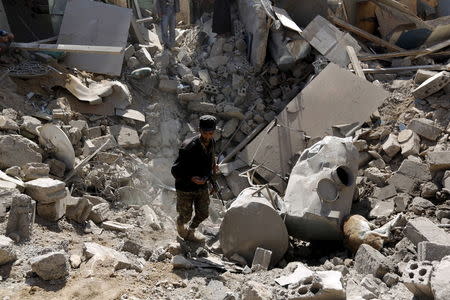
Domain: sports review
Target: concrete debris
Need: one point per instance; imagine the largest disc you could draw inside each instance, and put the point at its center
(415, 170)
(409, 142)
(8, 124)
(335, 184)
(253, 290)
(432, 85)
(417, 277)
(99, 212)
(369, 261)
(7, 252)
(430, 251)
(241, 229)
(52, 211)
(116, 226)
(438, 160)
(383, 209)
(33, 171)
(75, 261)
(425, 128)
(423, 230)
(439, 280)
(21, 218)
(126, 136)
(391, 146)
(10, 145)
(78, 208)
(180, 262)
(96, 253)
(45, 190)
(261, 260)
(51, 266)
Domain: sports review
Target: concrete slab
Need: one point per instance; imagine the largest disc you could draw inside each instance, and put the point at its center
(439, 160)
(369, 261)
(425, 128)
(423, 230)
(430, 251)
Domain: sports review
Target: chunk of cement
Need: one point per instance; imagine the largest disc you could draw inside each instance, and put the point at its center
(423, 230)
(425, 128)
(126, 136)
(245, 227)
(78, 208)
(432, 85)
(300, 273)
(416, 170)
(45, 190)
(12, 145)
(116, 226)
(261, 260)
(95, 252)
(320, 189)
(21, 218)
(52, 211)
(33, 171)
(391, 146)
(409, 142)
(51, 266)
(440, 279)
(180, 262)
(438, 160)
(7, 253)
(430, 251)
(370, 261)
(416, 278)
(99, 212)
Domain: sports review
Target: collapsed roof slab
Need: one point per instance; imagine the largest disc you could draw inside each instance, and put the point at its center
(335, 96)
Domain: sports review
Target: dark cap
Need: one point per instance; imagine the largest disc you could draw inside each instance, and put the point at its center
(207, 123)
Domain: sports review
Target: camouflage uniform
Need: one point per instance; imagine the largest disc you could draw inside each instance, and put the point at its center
(200, 200)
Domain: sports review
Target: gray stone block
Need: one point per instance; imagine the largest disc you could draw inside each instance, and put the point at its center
(416, 170)
(50, 266)
(370, 261)
(440, 286)
(423, 230)
(261, 260)
(404, 184)
(439, 160)
(425, 128)
(432, 85)
(432, 251)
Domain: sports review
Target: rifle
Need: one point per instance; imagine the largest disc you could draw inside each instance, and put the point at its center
(216, 188)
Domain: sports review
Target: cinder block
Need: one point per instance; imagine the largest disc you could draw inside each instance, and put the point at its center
(370, 261)
(423, 230)
(416, 278)
(432, 85)
(432, 251)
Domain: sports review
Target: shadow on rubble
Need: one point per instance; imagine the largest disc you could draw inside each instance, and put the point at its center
(314, 253)
(5, 270)
(49, 225)
(49, 286)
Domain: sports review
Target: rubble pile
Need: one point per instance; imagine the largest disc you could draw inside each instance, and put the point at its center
(335, 162)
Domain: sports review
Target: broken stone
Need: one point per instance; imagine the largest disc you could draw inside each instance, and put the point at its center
(216, 61)
(131, 246)
(187, 97)
(429, 251)
(45, 190)
(261, 260)
(415, 170)
(78, 208)
(423, 75)
(168, 86)
(409, 142)
(370, 261)
(99, 213)
(30, 125)
(391, 146)
(376, 176)
(229, 128)
(416, 278)
(425, 128)
(33, 171)
(391, 279)
(21, 218)
(91, 145)
(14, 171)
(95, 252)
(57, 167)
(401, 202)
(52, 211)
(151, 218)
(95, 199)
(8, 124)
(419, 205)
(257, 291)
(50, 266)
(180, 262)
(116, 226)
(438, 160)
(11, 145)
(129, 52)
(429, 190)
(202, 107)
(126, 136)
(385, 192)
(7, 253)
(144, 57)
(75, 261)
(423, 230)
(94, 132)
(432, 85)
(404, 183)
(439, 280)
(382, 209)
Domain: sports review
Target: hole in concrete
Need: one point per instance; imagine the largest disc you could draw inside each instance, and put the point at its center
(315, 288)
(414, 266)
(420, 279)
(302, 290)
(308, 280)
(411, 275)
(345, 175)
(422, 272)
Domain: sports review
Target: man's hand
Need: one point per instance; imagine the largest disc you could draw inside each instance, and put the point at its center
(198, 180)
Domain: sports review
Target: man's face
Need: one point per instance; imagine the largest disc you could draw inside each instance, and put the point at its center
(207, 135)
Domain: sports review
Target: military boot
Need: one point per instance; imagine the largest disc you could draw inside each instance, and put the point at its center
(182, 231)
(194, 236)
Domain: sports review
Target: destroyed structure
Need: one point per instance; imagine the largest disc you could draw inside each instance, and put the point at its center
(332, 142)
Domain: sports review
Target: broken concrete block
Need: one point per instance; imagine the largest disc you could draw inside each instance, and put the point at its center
(7, 253)
(383, 209)
(216, 61)
(423, 75)
(261, 260)
(126, 136)
(116, 226)
(150, 217)
(33, 171)
(376, 176)
(331, 166)
(30, 125)
(255, 290)
(404, 184)
(425, 128)
(240, 231)
(91, 145)
(419, 205)
(99, 212)
(439, 280)
(95, 253)
(52, 211)
(11, 145)
(423, 230)
(168, 86)
(8, 124)
(416, 278)
(391, 146)
(370, 261)
(180, 262)
(45, 190)
(409, 142)
(57, 167)
(144, 57)
(94, 199)
(415, 170)
(401, 202)
(428, 190)
(21, 218)
(432, 85)
(430, 251)
(385, 192)
(94, 132)
(438, 160)
(50, 266)
(202, 107)
(187, 97)
(78, 208)
(75, 261)
(446, 180)
(230, 127)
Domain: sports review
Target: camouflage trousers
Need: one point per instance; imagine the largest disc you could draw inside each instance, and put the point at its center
(185, 203)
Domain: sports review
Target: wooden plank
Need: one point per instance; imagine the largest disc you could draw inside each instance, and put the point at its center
(435, 48)
(364, 34)
(68, 48)
(355, 62)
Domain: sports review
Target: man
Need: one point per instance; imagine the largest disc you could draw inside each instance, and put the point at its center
(194, 165)
(166, 11)
(5, 40)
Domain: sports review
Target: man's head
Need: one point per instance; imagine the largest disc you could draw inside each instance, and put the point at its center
(207, 126)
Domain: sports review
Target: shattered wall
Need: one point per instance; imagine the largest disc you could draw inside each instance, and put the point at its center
(254, 18)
